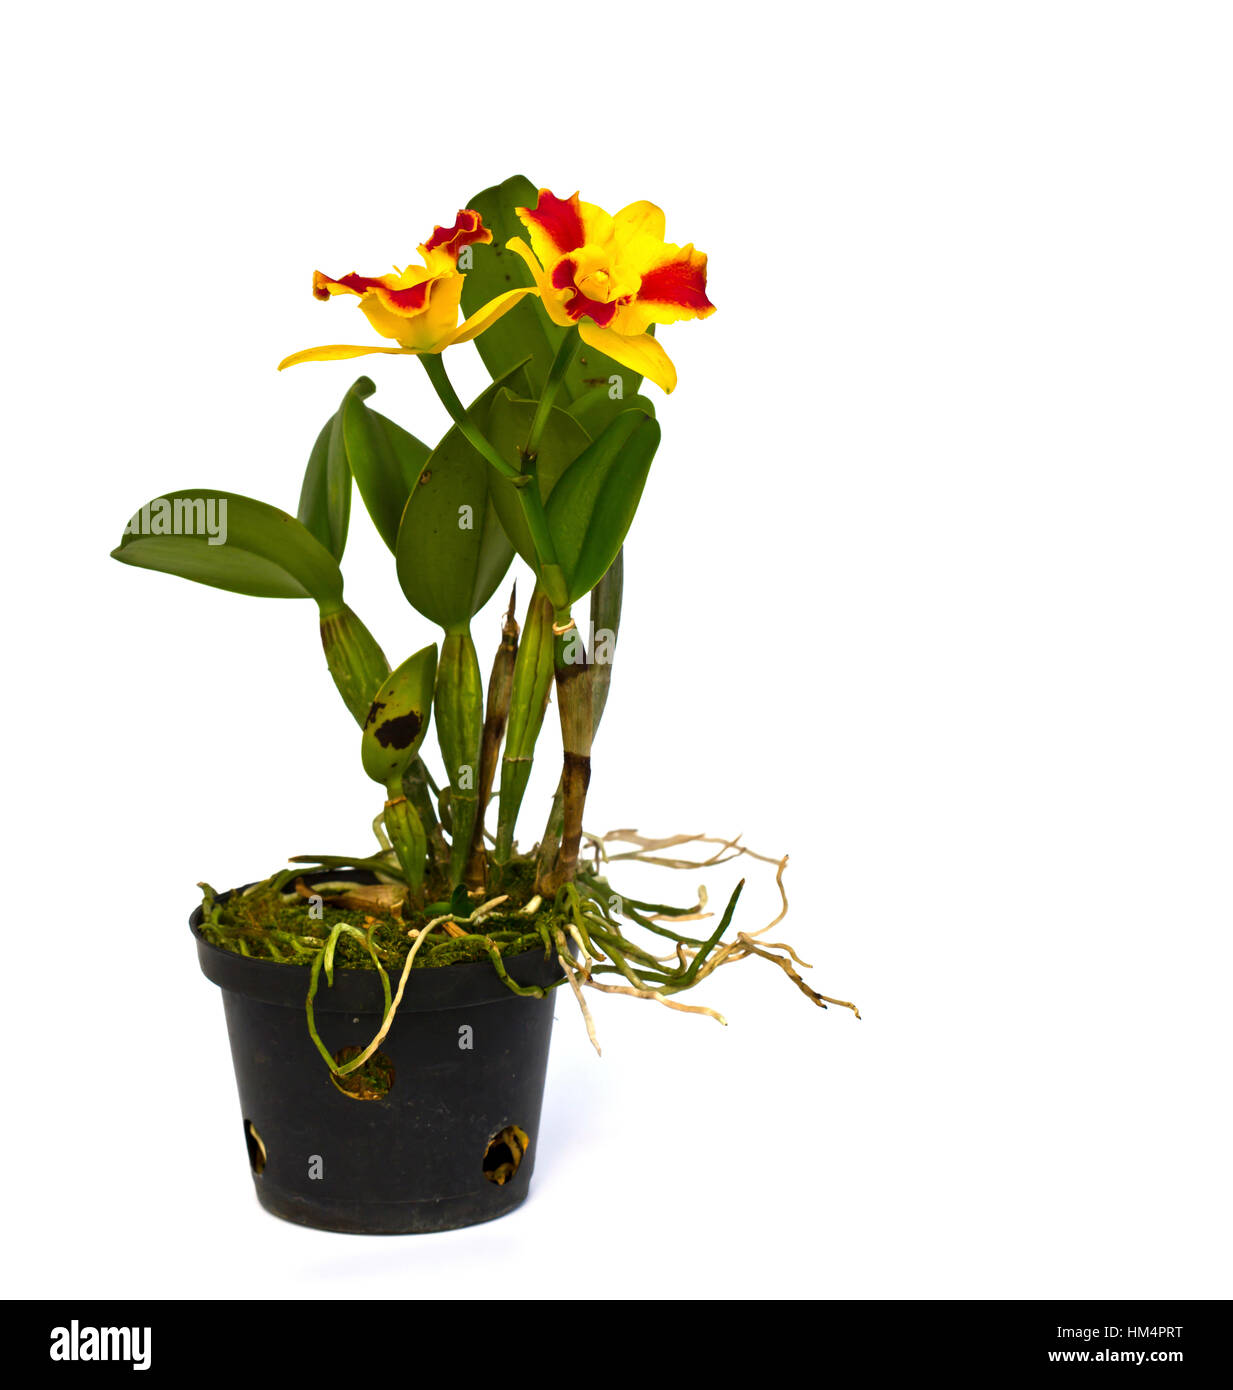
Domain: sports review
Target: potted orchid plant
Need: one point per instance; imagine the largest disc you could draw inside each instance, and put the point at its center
(390, 1012)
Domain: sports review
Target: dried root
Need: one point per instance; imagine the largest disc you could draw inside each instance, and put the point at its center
(600, 945)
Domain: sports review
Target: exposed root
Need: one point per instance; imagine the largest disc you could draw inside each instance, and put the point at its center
(841, 1004)
(651, 976)
(419, 937)
(563, 957)
(659, 999)
(582, 950)
(587, 926)
(784, 964)
(647, 849)
(780, 946)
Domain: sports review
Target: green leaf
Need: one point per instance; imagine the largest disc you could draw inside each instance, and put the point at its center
(254, 549)
(451, 549)
(592, 507)
(398, 718)
(385, 460)
(509, 424)
(525, 331)
(592, 371)
(596, 408)
(356, 662)
(325, 496)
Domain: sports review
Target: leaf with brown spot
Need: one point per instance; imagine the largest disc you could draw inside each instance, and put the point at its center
(398, 720)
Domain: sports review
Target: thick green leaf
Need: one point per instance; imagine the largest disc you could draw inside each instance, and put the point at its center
(451, 549)
(325, 496)
(254, 549)
(593, 505)
(385, 460)
(398, 719)
(592, 371)
(509, 424)
(597, 408)
(526, 330)
(356, 662)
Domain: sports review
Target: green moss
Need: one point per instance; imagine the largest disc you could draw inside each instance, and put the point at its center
(272, 922)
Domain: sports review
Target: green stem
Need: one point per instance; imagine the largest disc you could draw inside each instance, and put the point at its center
(550, 842)
(434, 365)
(525, 483)
(407, 834)
(415, 783)
(458, 709)
(496, 717)
(574, 704)
(556, 375)
(532, 681)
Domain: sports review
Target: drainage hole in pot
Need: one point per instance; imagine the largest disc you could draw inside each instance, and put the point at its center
(504, 1154)
(256, 1149)
(372, 1081)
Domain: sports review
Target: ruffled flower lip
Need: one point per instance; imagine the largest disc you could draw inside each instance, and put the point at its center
(468, 230)
(614, 277)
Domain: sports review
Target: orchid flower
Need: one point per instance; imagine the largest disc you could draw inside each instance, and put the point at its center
(613, 276)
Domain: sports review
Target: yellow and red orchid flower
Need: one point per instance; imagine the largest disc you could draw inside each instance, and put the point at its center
(614, 276)
(416, 307)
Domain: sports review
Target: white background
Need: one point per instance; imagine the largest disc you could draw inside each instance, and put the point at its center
(930, 587)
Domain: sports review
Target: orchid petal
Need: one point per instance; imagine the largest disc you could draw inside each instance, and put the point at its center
(336, 352)
(484, 318)
(641, 354)
(550, 296)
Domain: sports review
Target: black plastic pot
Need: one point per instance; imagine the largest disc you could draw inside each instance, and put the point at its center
(443, 1147)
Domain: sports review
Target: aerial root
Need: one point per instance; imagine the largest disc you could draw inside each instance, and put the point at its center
(589, 938)
(659, 999)
(647, 852)
(418, 936)
(563, 957)
(784, 964)
(841, 1004)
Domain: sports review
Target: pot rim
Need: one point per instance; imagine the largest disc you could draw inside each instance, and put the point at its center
(358, 992)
